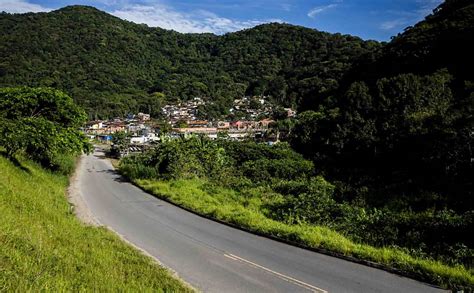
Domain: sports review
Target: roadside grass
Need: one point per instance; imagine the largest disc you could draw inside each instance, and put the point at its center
(248, 212)
(43, 247)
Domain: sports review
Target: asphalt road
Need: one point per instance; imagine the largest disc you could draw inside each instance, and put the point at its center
(216, 258)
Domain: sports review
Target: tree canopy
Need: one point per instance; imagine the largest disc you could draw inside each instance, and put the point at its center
(43, 123)
(401, 121)
(112, 67)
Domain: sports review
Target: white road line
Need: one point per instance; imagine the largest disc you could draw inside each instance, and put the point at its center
(281, 276)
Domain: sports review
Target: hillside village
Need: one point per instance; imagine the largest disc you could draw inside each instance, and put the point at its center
(249, 118)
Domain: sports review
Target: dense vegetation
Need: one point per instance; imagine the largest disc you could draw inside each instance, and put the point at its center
(398, 133)
(389, 126)
(43, 247)
(43, 124)
(274, 190)
(112, 67)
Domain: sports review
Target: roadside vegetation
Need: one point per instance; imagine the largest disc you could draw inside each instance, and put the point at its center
(379, 161)
(43, 246)
(42, 123)
(275, 191)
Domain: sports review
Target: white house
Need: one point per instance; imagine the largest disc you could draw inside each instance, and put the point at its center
(150, 137)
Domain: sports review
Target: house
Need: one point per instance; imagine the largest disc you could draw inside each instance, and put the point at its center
(243, 125)
(290, 112)
(146, 138)
(264, 123)
(240, 125)
(196, 130)
(223, 125)
(134, 128)
(95, 125)
(115, 127)
(143, 117)
(210, 132)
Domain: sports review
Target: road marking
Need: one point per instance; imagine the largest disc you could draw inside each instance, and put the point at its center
(280, 275)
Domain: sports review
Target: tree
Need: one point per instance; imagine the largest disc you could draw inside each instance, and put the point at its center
(112, 71)
(312, 134)
(42, 122)
(277, 89)
(120, 142)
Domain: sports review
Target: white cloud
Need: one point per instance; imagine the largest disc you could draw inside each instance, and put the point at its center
(427, 6)
(391, 24)
(405, 18)
(199, 21)
(318, 9)
(155, 15)
(20, 6)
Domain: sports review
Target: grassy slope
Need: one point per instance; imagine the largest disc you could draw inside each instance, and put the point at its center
(44, 247)
(227, 205)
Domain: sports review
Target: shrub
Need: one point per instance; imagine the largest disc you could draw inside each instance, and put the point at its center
(43, 123)
(306, 201)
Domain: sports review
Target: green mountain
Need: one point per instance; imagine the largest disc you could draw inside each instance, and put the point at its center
(111, 66)
(443, 40)
(399, 115)
(399, 129)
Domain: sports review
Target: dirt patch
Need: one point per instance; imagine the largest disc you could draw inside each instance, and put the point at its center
(74, 196)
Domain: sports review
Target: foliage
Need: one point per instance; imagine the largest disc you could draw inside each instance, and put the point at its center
(44, 247)
(223, 161)
(397, 133)
(389, 126)
(112, 67)
(305, 202)
(41, 122)
(120, 143)
(291, 193)
(248, 212)
(185, 158)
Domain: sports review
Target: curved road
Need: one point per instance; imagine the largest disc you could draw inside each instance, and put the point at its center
(216, 258)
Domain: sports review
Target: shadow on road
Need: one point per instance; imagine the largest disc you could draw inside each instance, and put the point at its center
(101, 156)
(115, 175)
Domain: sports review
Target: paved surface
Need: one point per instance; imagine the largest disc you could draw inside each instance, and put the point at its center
(216, 258)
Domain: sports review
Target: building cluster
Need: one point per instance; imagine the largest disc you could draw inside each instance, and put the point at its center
(240, 129)
(186, 111)
(246, 108)
(182, 120)
(251, 107)
(138, 127)
(245, 121)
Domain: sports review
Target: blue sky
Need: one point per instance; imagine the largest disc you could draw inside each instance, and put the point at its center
(368, 19)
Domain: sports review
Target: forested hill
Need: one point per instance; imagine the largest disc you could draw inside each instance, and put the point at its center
(445, 39)
(112, 66)
(400, 125)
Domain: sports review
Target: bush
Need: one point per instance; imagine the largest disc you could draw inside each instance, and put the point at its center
(266, 170)
(305, 202)
(185, 158)
(283, 183)
(43, 123)
(198, 157)
(64, 164)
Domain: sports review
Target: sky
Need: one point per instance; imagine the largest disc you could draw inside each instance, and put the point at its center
(368, 19)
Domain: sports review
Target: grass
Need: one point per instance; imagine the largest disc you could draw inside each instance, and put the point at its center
(43, 247)
(248, 212)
